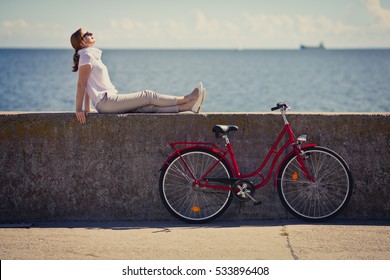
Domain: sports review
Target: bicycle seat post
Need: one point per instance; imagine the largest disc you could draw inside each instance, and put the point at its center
(227, 141)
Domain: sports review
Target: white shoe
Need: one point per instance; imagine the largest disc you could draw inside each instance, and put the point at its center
(199, 102)
(203, 99)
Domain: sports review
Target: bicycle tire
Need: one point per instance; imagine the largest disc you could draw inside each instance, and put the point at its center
(190, 203)
(319, 201)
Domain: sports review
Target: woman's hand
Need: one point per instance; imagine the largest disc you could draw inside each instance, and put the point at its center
(81, 117)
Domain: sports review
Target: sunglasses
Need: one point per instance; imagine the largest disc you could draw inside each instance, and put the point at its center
(87, 34)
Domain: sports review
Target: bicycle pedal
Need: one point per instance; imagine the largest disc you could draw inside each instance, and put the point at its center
(256, 203)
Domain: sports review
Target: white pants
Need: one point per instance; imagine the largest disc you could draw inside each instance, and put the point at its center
(145, 101)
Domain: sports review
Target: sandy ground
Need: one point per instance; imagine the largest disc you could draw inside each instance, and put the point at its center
(221, 240)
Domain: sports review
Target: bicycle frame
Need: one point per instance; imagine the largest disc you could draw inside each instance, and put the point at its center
(274, 154)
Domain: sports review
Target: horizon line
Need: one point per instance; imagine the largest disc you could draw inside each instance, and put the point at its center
(196, 49)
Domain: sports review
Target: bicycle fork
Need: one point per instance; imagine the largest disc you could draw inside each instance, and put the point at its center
(301, 157)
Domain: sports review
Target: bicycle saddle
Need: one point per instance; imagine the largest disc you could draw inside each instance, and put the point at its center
(219, 130)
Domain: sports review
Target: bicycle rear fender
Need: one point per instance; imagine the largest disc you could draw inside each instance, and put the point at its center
(182, 150)
(287, 157)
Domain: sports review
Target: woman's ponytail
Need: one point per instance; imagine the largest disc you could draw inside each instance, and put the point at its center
(76, 58)
(76, 41)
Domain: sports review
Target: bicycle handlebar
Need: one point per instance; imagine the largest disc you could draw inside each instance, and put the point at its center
(281, 106)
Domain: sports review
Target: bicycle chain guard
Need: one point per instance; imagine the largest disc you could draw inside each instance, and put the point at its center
(243, 190)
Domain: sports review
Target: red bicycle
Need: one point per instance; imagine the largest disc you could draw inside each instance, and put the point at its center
(199, 180)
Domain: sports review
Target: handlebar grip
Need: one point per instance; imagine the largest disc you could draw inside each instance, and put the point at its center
(275, 108)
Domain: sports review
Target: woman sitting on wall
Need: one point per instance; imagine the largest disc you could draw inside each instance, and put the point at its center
(94, 85)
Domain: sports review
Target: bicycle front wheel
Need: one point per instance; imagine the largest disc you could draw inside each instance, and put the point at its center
(194, 204)
(326, 196)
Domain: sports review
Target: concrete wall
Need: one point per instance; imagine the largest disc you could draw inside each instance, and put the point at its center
(55, 169)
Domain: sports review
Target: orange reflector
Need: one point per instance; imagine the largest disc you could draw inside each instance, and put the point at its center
(195, 209)
(295, 176)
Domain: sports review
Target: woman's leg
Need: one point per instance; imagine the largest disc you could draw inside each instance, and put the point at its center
(146, 101)
(157, 109)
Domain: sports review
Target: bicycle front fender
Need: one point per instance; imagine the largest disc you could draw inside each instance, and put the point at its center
(286, 158)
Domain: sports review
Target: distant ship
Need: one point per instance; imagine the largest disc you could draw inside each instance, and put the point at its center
(319, 47)
(239, 48)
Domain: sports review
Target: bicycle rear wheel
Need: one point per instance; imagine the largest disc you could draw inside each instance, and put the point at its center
(324, 198)
(194, 204)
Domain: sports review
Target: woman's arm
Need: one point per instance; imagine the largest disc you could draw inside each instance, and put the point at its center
(87, 103)
(84, 72)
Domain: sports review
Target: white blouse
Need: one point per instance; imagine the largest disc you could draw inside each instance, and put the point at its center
(98, 83)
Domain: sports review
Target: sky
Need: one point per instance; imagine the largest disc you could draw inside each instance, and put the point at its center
(197, 24)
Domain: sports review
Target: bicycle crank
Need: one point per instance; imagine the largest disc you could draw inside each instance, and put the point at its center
(243, 190)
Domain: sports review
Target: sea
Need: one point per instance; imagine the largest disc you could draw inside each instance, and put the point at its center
(313, 80)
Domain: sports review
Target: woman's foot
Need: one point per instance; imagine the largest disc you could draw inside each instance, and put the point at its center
(191, 97)
(188, 106)
(193, 101)
(188, 98)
